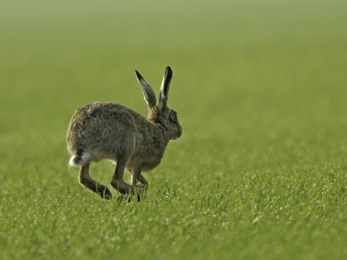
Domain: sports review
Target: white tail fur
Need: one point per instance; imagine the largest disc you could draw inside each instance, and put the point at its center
(77, 160)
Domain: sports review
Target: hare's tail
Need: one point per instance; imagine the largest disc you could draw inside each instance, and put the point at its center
(80, 159)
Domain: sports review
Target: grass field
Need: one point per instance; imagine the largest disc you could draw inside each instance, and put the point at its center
(260, 87)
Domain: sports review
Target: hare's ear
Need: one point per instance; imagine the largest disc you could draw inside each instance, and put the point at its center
(148, 92)
(164, 89)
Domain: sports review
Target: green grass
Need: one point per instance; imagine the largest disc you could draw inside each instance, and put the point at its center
(260, 171)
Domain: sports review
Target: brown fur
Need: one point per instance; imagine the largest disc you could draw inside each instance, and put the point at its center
(112, 131)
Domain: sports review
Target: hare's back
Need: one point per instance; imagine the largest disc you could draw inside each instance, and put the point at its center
(97, 113)
(100, 123)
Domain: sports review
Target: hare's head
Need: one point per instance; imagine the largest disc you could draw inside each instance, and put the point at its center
(161, 114)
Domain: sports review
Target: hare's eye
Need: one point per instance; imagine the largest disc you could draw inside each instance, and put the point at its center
(174, 117)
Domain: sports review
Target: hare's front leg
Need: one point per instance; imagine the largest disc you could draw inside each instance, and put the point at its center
(87, 181)
(137, 179)
(139, 182)
(117, 179)
(143, 182)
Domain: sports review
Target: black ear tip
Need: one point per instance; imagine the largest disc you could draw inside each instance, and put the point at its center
(168, 71)
(138, 74)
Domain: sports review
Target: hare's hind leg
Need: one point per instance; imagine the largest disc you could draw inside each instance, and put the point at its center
(87, 181)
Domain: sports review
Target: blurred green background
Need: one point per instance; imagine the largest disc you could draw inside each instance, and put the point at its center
(259, 86)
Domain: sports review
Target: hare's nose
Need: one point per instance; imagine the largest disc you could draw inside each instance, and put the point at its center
(180, 132)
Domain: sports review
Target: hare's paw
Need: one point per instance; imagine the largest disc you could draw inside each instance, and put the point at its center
(142, 183)
(123, 187)
(103, 192)
(137, 193)
(142, 187)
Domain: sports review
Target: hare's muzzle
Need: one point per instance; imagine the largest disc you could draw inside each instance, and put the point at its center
(179, 132)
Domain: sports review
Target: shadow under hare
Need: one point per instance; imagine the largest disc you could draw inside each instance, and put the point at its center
(103, 130)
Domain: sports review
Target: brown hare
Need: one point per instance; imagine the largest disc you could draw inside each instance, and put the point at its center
(112, 131)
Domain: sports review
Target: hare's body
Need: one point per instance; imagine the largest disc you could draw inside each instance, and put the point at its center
(121, 127)
(112, 131)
